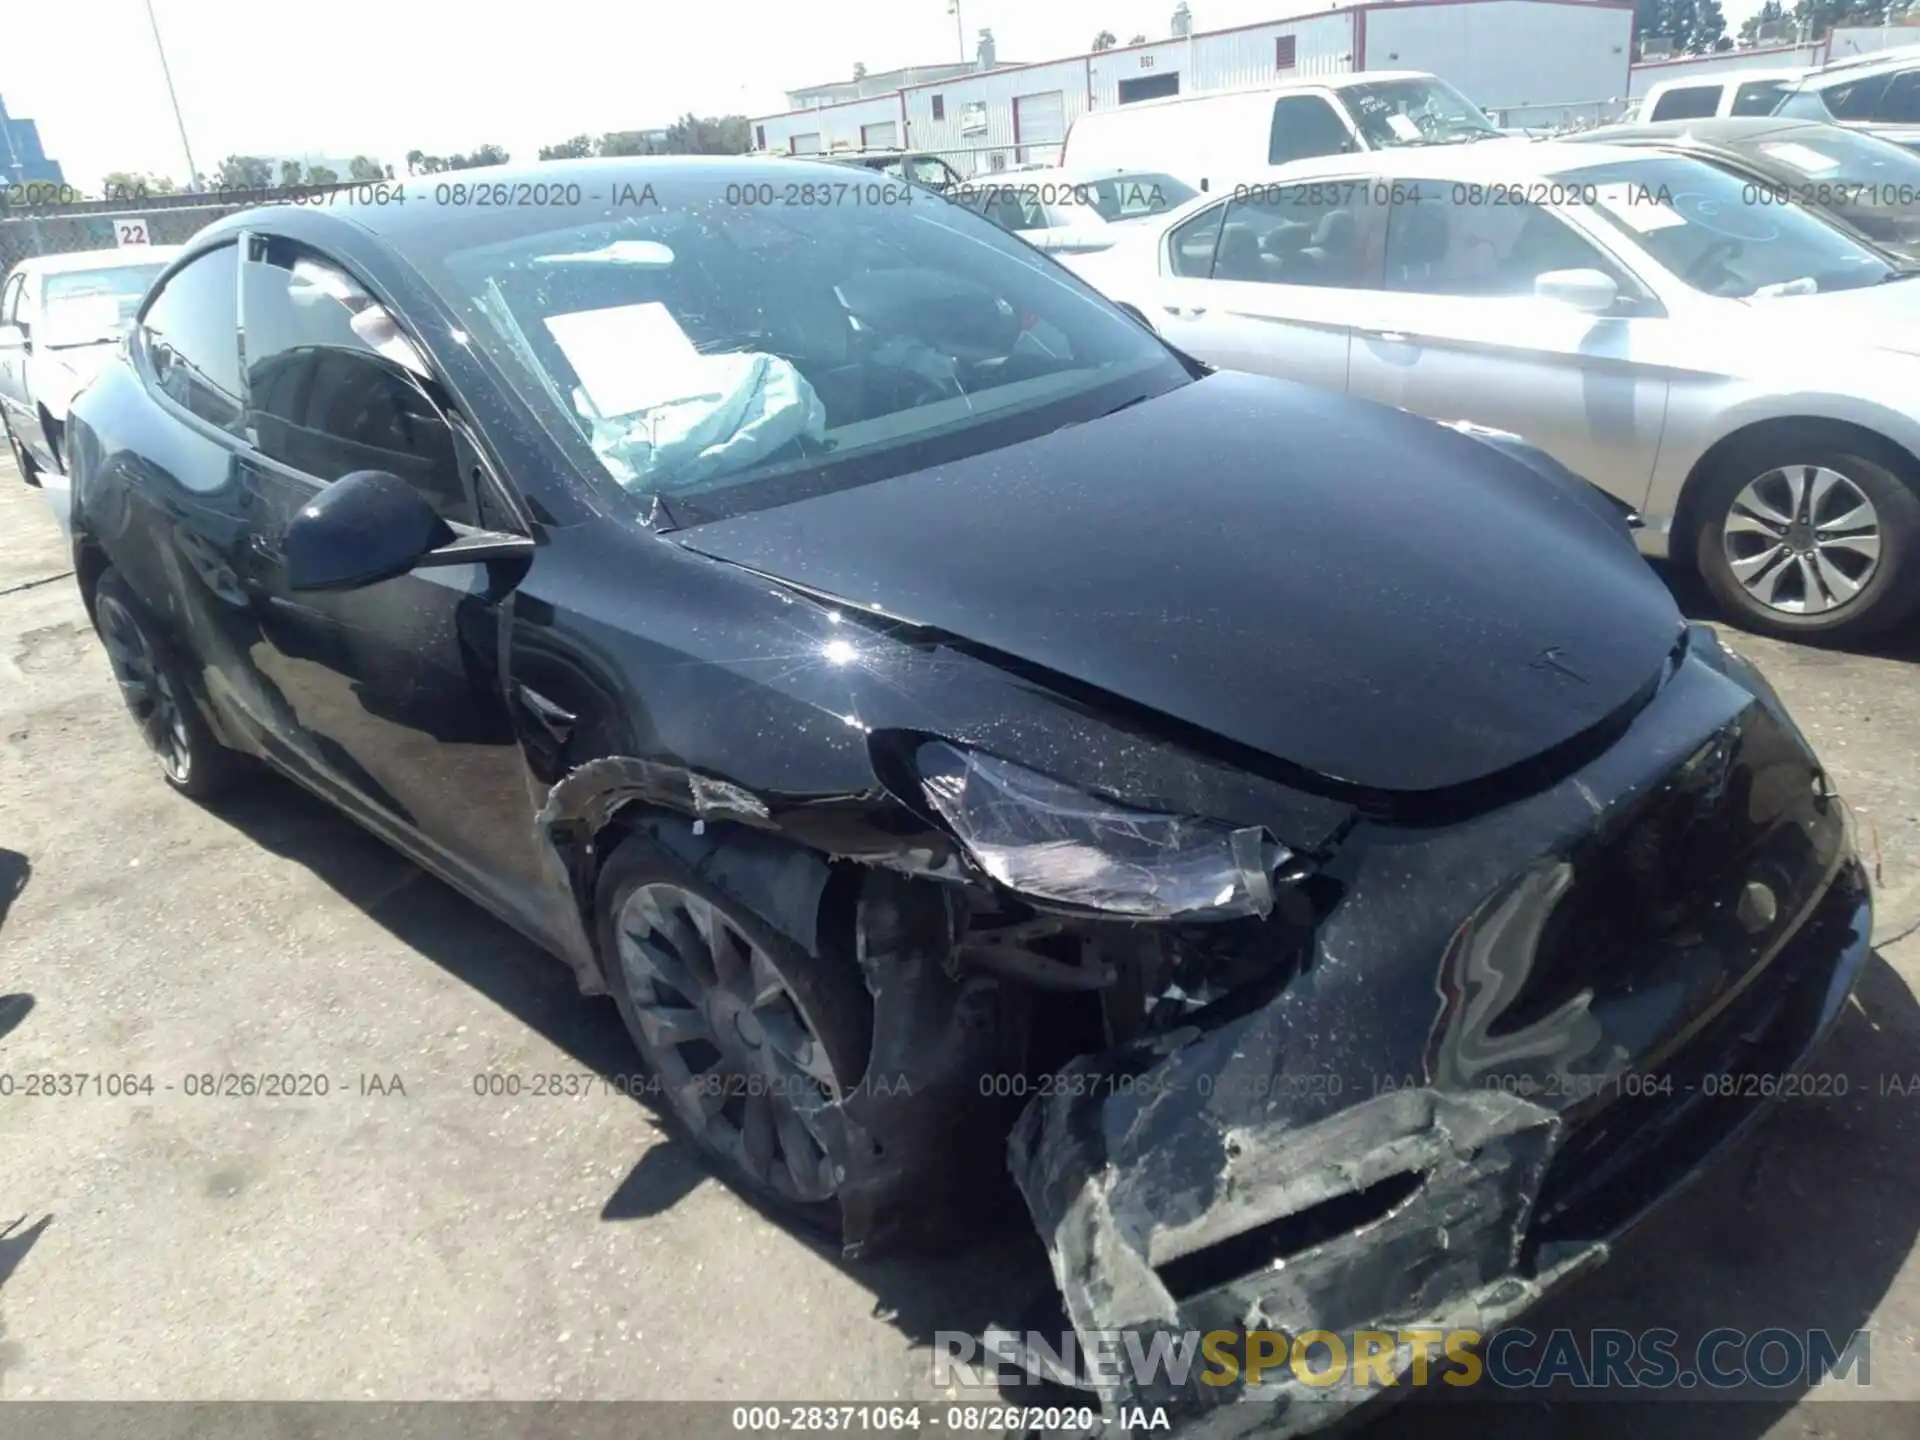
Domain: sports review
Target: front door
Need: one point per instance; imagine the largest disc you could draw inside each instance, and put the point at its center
(395, 691)
(1456, 333)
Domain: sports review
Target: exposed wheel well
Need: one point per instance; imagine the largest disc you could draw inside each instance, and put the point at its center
(1689, 515)
(52, 429)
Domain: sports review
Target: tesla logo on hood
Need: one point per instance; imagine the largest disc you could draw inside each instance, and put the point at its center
(1550, 660)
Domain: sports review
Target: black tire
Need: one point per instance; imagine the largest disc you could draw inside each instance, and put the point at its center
(23, 462)
(823, 991)
(158, 697)
(1753, 484)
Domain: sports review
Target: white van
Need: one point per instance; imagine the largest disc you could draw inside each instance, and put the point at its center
(1707, 97)
(1236, 133)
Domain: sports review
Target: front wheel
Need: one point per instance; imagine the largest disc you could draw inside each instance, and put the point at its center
(154, 688)
(750, 1038)
(1811, 542)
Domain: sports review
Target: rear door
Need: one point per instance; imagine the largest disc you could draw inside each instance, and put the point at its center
(394, 694)
(1455, 332)
(1267, 281)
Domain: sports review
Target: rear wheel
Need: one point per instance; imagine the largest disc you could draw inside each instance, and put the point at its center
(750, 1037)
(1807, 540)
(156, 694)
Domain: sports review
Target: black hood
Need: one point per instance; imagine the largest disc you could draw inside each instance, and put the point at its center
(1338, 585)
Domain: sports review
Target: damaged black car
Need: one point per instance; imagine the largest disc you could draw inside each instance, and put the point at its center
(1302, 843)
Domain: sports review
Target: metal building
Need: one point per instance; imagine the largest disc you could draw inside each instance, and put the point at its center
(1532, 62)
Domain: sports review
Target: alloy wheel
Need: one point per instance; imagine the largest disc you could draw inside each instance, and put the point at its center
(145, 687)
(730, 1041)
(1802, 539)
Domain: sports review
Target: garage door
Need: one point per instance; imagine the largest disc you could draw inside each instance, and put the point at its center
(805, 144)
(1039, 126)
(883, 136)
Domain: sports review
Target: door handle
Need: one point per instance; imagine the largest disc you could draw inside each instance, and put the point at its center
(1186, 312)
(1391, 337)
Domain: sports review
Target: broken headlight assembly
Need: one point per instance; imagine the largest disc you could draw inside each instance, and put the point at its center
(1055, 845)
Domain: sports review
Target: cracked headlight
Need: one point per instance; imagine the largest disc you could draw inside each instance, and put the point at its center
(1050, 842)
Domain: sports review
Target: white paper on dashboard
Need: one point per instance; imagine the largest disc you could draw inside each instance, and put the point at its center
(1402, 127)
(629, 357)
(1803, 158)
(1639, 210)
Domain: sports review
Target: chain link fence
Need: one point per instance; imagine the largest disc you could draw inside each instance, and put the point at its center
(61, 227)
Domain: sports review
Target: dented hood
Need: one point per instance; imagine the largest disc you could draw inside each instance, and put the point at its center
(1341, 586)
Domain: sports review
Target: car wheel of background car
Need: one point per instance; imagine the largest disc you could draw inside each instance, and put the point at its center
(1808, 540)
(23, 462)
(156, 693)
(749, 1036)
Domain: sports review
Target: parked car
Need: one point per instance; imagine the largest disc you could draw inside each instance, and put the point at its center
(1701, 97)
(1857, 181)
(929, 170)
(1741, 373)
(899, 680)
(1070, 209)
(1878, 93)
(60, 318)
(1237, 134)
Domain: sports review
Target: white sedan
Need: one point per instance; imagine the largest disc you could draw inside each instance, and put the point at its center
(60, 318)
(1738, 371)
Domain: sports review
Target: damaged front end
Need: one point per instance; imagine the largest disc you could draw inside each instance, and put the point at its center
(1501, 1047)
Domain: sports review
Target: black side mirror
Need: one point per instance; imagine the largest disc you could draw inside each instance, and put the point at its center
(364, 528)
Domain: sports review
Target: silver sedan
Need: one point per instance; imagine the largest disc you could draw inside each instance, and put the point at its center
(1739, 371)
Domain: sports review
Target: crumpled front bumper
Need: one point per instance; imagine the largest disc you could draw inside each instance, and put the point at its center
(1441, 1119)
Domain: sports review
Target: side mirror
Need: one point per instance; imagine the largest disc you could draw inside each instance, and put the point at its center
(364, 528)
(12, 337)
(1588, 291)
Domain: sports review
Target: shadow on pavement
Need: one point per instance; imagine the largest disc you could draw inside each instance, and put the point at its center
(975, 1284)
(1696, 603)
(1803, 1226)
(15, 869)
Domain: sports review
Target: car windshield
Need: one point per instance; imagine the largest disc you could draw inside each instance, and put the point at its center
(83, 307)
(1414, 112)
(1135, 196)
(1723, 235)
(1870, 182)
(728, 357)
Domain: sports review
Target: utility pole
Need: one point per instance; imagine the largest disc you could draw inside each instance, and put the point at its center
(193, 176)
(959, 28)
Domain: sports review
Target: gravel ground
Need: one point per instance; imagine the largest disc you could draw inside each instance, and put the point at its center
(405, 1238)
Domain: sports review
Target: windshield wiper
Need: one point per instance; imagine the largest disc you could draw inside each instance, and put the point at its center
(1898, 272)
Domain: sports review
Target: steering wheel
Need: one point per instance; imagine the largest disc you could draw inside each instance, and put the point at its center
(1716, 252)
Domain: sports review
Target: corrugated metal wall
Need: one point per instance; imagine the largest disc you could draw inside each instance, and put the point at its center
(1508, 53)
(837, 125)
(1238, 60)
(973, 150)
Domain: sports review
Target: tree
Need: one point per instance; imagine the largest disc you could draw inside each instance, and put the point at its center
(416, 162)
(322, 175)
(289, 172)
(1707, 27)
(117, 183)
(483, 155)
(244, 172)
(625, 142)
(1765, 15)
(859, 70)
(365, 167)
(1104, 41)
(1139, 39)
(712, 135)
(578, 148)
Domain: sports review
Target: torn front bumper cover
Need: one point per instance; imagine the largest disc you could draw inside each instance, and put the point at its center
(1396, 1145)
